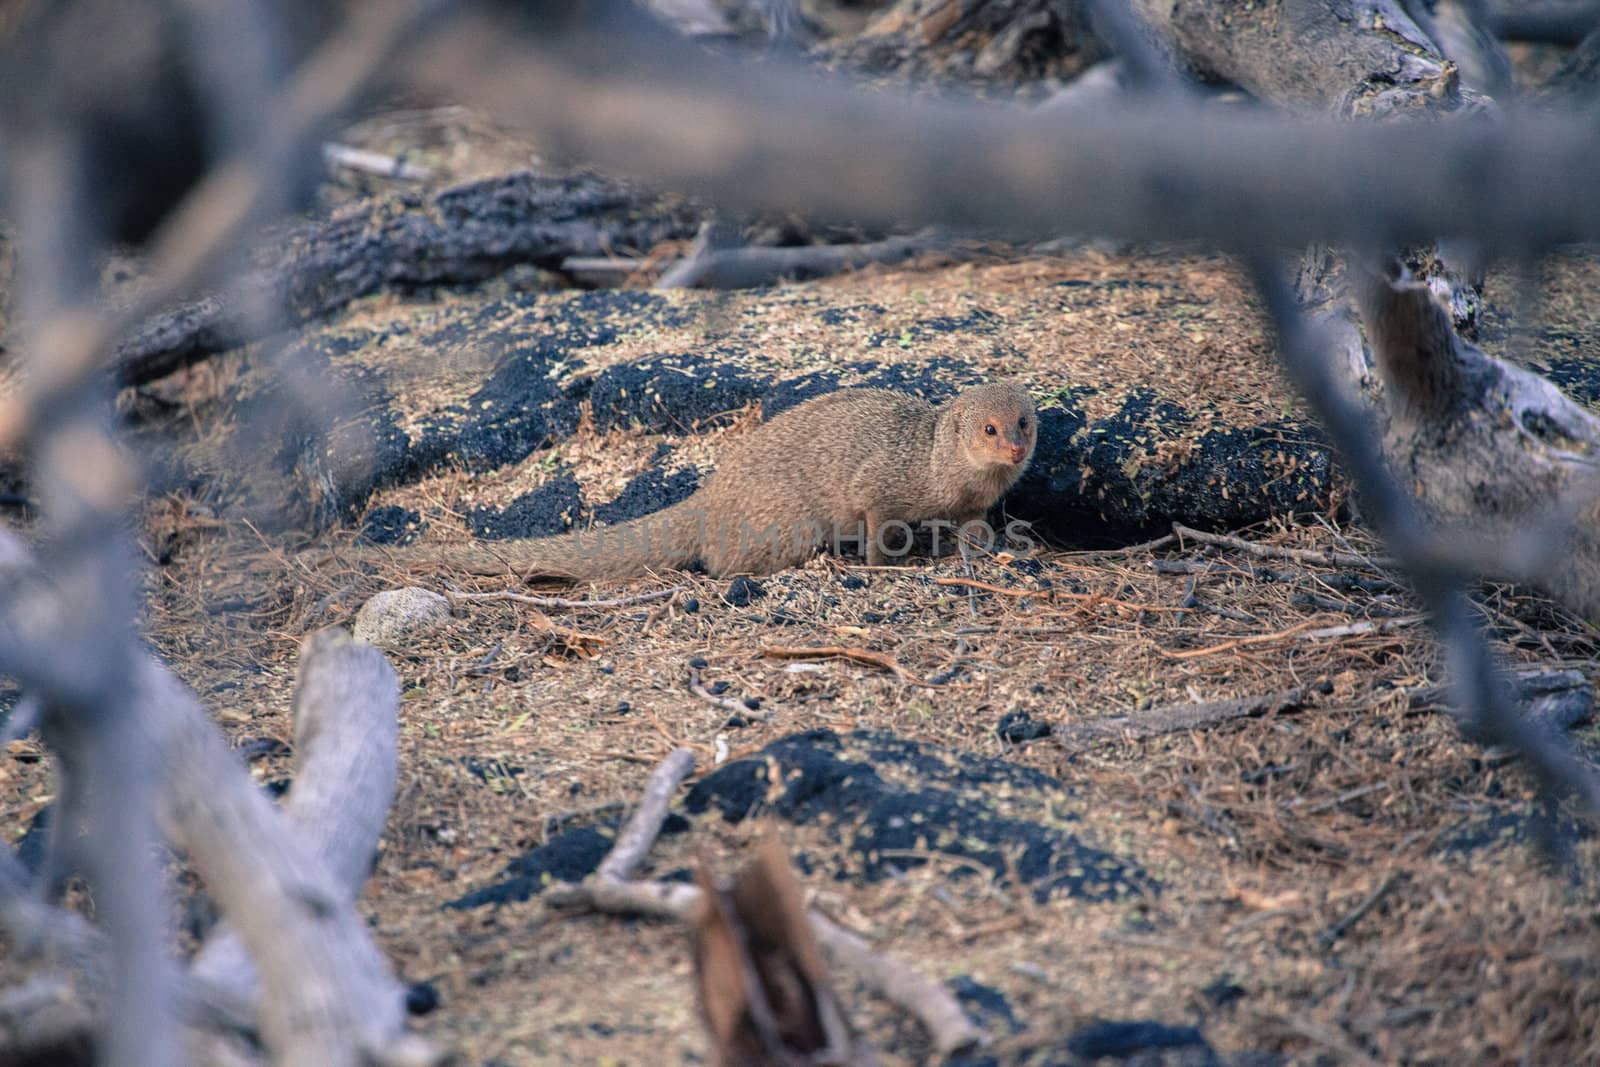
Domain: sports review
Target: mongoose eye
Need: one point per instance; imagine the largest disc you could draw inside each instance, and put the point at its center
(1022, 423)
(989, 429)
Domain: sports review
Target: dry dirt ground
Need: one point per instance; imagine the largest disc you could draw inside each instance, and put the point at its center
(1345, 882)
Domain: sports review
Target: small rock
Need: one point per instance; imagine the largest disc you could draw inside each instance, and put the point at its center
(253, 748)
(421, 998)
(1222, 991)
(753, 703)
(742, 591)
(395, 614)
(850, 581)
(698, 663)
(391, 526)
(691, 606)
(1016, 727)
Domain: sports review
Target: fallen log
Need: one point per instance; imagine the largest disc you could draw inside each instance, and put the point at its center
(1367, 59)
(462, 235)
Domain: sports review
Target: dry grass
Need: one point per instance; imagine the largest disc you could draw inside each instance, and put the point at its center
(1266, 833)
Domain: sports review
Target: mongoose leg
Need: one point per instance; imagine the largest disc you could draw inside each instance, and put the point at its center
(876, 556)
(965, 547)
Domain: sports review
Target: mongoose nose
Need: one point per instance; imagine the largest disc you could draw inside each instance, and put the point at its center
(1017, 452)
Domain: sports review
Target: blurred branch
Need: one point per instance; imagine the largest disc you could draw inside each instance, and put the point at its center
(1550, 21)
(1483, 699)
(216, 214)
(287, 886)
(118, 723)
(639, 101)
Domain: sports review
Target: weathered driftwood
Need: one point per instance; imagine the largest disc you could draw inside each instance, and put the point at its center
(346, 728)
(1500, 459)
(326, 994)
(462, 235)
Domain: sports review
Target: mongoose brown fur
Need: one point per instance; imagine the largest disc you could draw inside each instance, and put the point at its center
(833, 470)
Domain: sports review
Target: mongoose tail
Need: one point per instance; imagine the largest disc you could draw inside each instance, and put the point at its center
(664, 540)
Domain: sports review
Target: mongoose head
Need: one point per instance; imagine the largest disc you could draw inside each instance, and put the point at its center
(996, 425)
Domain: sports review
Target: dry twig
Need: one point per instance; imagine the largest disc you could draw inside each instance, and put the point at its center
(881, 660)
(1174, 718)
(1302, 555)
(728, 704)
(564, 602)
(610, 890)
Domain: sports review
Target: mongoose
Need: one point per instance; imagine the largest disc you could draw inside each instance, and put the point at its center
(833, 470)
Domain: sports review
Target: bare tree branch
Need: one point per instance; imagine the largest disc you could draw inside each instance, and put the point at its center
(624, 96)
(1482, 697)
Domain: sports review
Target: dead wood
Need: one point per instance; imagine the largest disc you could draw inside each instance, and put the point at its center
(326, 994)
(1559, 700)
(642, 829)
(1483, 701)
(612, 890)
(782, 141)
(1299, 555)
(604, 272)
(567, 602)
(346, 713)
(1354, 59)
(1092, 89)
(1464, 35)
(1020, 44)
(1551, 21)
(747, 268)
(727, 704)
(1077, 737)
(1384, 60)
(368, 162)
(1578, 79)
(764, 990)
(461, 235)
(1505, 465)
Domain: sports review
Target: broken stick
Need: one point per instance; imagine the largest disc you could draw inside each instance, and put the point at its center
(610, 891)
